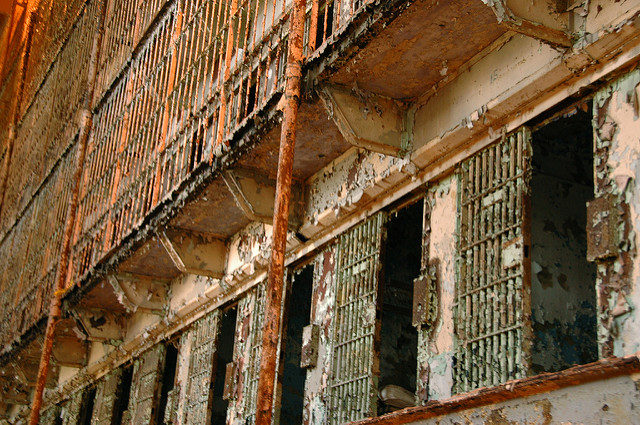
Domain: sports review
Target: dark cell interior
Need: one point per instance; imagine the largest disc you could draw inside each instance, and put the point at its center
(168, 380)
(122, 395)
(86, 408)
(293, 376)
(563, 281)
(224, 356)
(401, 265)
(58, 419)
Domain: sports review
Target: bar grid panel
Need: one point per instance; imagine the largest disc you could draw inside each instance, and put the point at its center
(491, 323)
(354, 378)
(204, 334)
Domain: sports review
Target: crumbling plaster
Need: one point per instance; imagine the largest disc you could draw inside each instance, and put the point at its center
(436, 345)
(322, 305)
(619, 282)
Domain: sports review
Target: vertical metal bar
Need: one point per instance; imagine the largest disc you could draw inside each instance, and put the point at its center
(16, 117)
(166, 117)
(225, 80)
(313, 25)
(55, 308)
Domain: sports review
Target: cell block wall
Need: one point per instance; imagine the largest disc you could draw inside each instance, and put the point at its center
(107, 391)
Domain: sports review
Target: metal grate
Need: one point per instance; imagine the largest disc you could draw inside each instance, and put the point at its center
(354, 371)
(145, 386)
(106, 396)
(254, 345)
(71, 409)
(204, 335)
(50, 416)
(491, 294)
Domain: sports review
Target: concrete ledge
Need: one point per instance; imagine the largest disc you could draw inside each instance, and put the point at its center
(534, 385)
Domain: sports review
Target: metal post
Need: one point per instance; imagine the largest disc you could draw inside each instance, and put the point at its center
(55, 308)
(273, 319)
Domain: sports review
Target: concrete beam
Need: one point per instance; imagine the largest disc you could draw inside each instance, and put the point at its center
(369, 121)
(544, 20)
(255, 195)
(99, 325)
(137, 292)
(195, 253)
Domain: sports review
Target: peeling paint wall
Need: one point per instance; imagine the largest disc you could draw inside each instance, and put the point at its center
(617, 130)
(436, 345)
(323, 301)
(356, 176)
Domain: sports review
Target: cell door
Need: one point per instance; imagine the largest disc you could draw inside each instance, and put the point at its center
(246, 357)
(353, 390)
(106, 397)
(71, 409)
(203, 336)
(493, 296)
(145, 387)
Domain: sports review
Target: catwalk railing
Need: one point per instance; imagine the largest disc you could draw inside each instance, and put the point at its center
(176, 80)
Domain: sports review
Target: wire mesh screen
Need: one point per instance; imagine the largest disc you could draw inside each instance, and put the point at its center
(353, 385)
(491, 295)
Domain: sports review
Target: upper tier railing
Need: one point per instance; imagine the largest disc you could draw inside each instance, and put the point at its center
(176, 79)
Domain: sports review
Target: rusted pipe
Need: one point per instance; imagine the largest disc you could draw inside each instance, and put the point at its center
(55, 307)
(274, 289)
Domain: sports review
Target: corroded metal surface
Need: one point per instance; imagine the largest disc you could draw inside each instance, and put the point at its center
(275, 283)
(492, 306)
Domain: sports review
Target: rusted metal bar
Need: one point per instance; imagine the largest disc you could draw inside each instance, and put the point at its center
(273, 319)
(225, 79)
(313, 25)
(16, 117)
(166, 118)
(55, 308)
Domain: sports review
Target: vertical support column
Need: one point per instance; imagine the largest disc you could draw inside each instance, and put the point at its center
(273, 319)
(55, 308)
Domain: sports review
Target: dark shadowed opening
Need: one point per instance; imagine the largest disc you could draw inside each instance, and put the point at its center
(563, 293)
(86, 406)
(401, 265)
(168, 380)
(224, 355)
(293, 376)
(122, 395)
